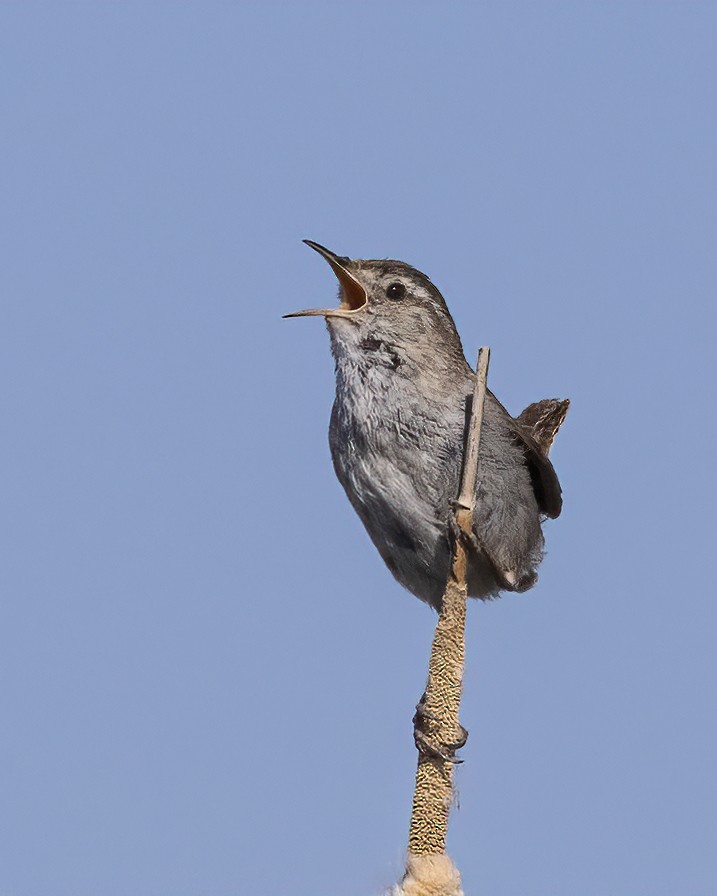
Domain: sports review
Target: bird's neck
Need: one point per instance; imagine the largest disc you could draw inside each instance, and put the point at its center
(371, 371)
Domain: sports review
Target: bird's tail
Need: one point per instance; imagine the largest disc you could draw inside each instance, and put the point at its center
(543, 419)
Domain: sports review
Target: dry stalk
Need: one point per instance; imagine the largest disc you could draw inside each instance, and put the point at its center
(433, 793)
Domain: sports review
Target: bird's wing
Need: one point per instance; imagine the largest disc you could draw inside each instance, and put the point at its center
(534, 429)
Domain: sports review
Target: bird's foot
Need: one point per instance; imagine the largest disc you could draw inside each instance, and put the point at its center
(427, 743)
(457, 534)
(507, 579)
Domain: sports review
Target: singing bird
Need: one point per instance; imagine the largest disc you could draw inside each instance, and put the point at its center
(398, 430)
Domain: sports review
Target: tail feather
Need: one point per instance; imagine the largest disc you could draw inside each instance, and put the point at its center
(543, 419)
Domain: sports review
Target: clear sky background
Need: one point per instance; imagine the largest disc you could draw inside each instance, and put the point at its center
(207, 675)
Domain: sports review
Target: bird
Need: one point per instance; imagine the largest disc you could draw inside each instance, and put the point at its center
(398, 430)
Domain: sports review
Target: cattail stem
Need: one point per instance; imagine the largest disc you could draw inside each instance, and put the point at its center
(433, 793)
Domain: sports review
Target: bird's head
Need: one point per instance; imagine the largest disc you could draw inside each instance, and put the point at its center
(388, 302)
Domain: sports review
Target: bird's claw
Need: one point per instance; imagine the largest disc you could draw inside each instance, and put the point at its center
(469, 539)
(428, 744)
(507, 579)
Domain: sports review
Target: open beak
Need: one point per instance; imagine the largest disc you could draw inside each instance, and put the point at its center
(353, 295)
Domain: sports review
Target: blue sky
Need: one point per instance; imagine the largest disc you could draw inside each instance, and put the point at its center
(208, 676)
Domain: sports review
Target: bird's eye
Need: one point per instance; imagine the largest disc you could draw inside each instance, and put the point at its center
(395, 290)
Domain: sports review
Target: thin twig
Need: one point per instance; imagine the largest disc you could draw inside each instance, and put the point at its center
(467, 496)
